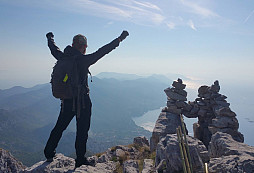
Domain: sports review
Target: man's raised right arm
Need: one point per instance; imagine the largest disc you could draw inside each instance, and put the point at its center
(55, 51)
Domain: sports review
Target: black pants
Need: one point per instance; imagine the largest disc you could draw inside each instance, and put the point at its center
(64, 119)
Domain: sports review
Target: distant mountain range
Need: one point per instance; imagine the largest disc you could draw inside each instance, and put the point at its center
(27, 115)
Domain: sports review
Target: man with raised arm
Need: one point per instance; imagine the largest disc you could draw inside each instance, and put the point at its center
(78, 105)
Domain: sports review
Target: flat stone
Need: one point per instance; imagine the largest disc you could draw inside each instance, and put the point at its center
(181, 92)
(225, 111)
(225, 122)
(221, 98)
(174, 95)
(188, 115)
(222, 103)
(169, 103)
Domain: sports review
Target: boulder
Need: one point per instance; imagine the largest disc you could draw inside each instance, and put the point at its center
(233, 132)
(228, 155)
(168, 150)
(222, 144)
(141, 141)
(8, 163)
(130, 166)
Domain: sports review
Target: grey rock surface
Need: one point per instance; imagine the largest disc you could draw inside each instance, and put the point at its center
(62, 164)
(168, 149)
(148, 166)
(130, 166)
(141, 141)
(8, 164)
(165, 124)
(228, 155)
(222, 144)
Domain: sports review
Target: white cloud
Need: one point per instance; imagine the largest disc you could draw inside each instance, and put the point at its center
(191, 24)
(171, 25)
(131, 10)
(197, 9)
(249, 16)
(148, 5)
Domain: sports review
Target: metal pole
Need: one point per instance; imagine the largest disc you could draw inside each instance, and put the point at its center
(186, 141)
(184, 152)
(181, 149)
(206, 168)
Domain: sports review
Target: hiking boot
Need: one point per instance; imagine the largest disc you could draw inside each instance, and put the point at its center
(84, 161)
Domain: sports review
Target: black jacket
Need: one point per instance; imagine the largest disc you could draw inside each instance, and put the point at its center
(85, 61)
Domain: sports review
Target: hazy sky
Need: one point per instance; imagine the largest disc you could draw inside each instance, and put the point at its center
(202, 39)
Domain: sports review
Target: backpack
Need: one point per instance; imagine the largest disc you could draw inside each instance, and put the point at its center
(65, 79)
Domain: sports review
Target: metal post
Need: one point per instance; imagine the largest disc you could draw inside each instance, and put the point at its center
(186, 142)
(181, 149)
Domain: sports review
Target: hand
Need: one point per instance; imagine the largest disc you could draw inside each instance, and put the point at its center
(123, 35)
(50, 35)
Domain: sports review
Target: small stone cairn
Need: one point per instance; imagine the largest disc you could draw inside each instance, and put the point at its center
(169, 118)
(176, 98)
(213, 114)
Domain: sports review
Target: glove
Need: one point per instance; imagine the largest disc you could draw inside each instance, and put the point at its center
(123, 35)
(50, 35)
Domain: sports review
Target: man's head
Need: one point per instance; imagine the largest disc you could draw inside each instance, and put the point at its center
(80, 43)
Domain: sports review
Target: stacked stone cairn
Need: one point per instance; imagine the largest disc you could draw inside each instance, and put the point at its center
(176, 98)
(214, 115)
(169, 118)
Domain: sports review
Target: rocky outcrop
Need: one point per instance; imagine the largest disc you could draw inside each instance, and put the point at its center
(168, 151)
(115, 159)
(62, 164)
(169, 118)
(8, 164)
(228, 155)
(225, 121)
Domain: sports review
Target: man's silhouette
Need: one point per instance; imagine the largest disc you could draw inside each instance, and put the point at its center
(69, 107)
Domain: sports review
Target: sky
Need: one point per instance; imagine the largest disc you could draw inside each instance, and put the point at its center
(200, 39)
